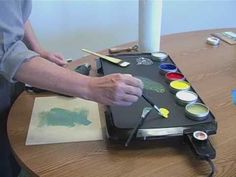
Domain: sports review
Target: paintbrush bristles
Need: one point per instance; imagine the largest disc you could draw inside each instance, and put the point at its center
(154, 106)
(111, 59)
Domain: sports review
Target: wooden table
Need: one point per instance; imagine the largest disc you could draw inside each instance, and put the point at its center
(211, 71)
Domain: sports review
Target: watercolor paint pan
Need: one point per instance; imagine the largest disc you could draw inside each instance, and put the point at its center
(179, 85)
(185, 97)
(173, 76)
(197, 111)
(167, 67)
(159, 56)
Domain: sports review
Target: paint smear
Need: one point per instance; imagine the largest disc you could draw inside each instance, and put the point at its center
(165, 112)
(144, 61)
(63, 117)
(152, 85)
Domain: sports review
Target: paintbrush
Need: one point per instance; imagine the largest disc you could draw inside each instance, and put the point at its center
(154, 106)
(113, 60)
(145, 112)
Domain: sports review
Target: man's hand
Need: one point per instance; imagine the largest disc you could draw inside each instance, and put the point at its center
(32, 43)
(115, 89)
(54, 57)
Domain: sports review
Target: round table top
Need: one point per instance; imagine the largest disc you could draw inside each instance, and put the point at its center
(210, 70)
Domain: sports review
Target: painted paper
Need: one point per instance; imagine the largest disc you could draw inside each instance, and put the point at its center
(60, 119)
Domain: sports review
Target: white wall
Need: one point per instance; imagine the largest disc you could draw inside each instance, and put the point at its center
(69, 25)
(191, 15)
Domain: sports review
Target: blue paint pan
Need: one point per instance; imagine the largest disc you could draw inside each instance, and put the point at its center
(167, 67)
(234, 96)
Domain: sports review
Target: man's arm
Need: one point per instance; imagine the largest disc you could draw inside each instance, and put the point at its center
(114, 89)
(32, 43)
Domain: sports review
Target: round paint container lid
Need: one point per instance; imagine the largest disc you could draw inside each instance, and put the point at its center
(185, 97)
(172, 76)
(179, 85)
(167, 67)
(159, 56)
(200, 135)
(197, 111)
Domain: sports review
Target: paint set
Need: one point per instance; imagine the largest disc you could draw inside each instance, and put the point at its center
(172, 91)
(184, 94)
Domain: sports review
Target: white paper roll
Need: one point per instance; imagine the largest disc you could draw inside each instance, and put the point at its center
(150, 12)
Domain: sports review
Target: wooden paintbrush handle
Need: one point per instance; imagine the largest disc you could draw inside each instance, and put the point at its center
(118, 50)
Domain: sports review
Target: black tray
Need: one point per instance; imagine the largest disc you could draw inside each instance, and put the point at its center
(121, 120)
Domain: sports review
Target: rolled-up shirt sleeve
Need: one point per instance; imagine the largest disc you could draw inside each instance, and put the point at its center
(13, 58)
(13, 51)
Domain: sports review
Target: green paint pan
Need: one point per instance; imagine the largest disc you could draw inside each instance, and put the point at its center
(197, 111)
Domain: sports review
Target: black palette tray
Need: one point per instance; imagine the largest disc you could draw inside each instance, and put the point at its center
(121, 120)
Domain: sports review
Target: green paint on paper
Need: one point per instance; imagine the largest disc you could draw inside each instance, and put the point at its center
(152, 85)
(63, 117)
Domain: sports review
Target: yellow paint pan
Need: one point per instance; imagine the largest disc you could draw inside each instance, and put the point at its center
(116, 61)
(179, 85)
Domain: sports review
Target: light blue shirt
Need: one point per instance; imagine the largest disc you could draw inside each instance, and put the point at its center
(13, 51)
